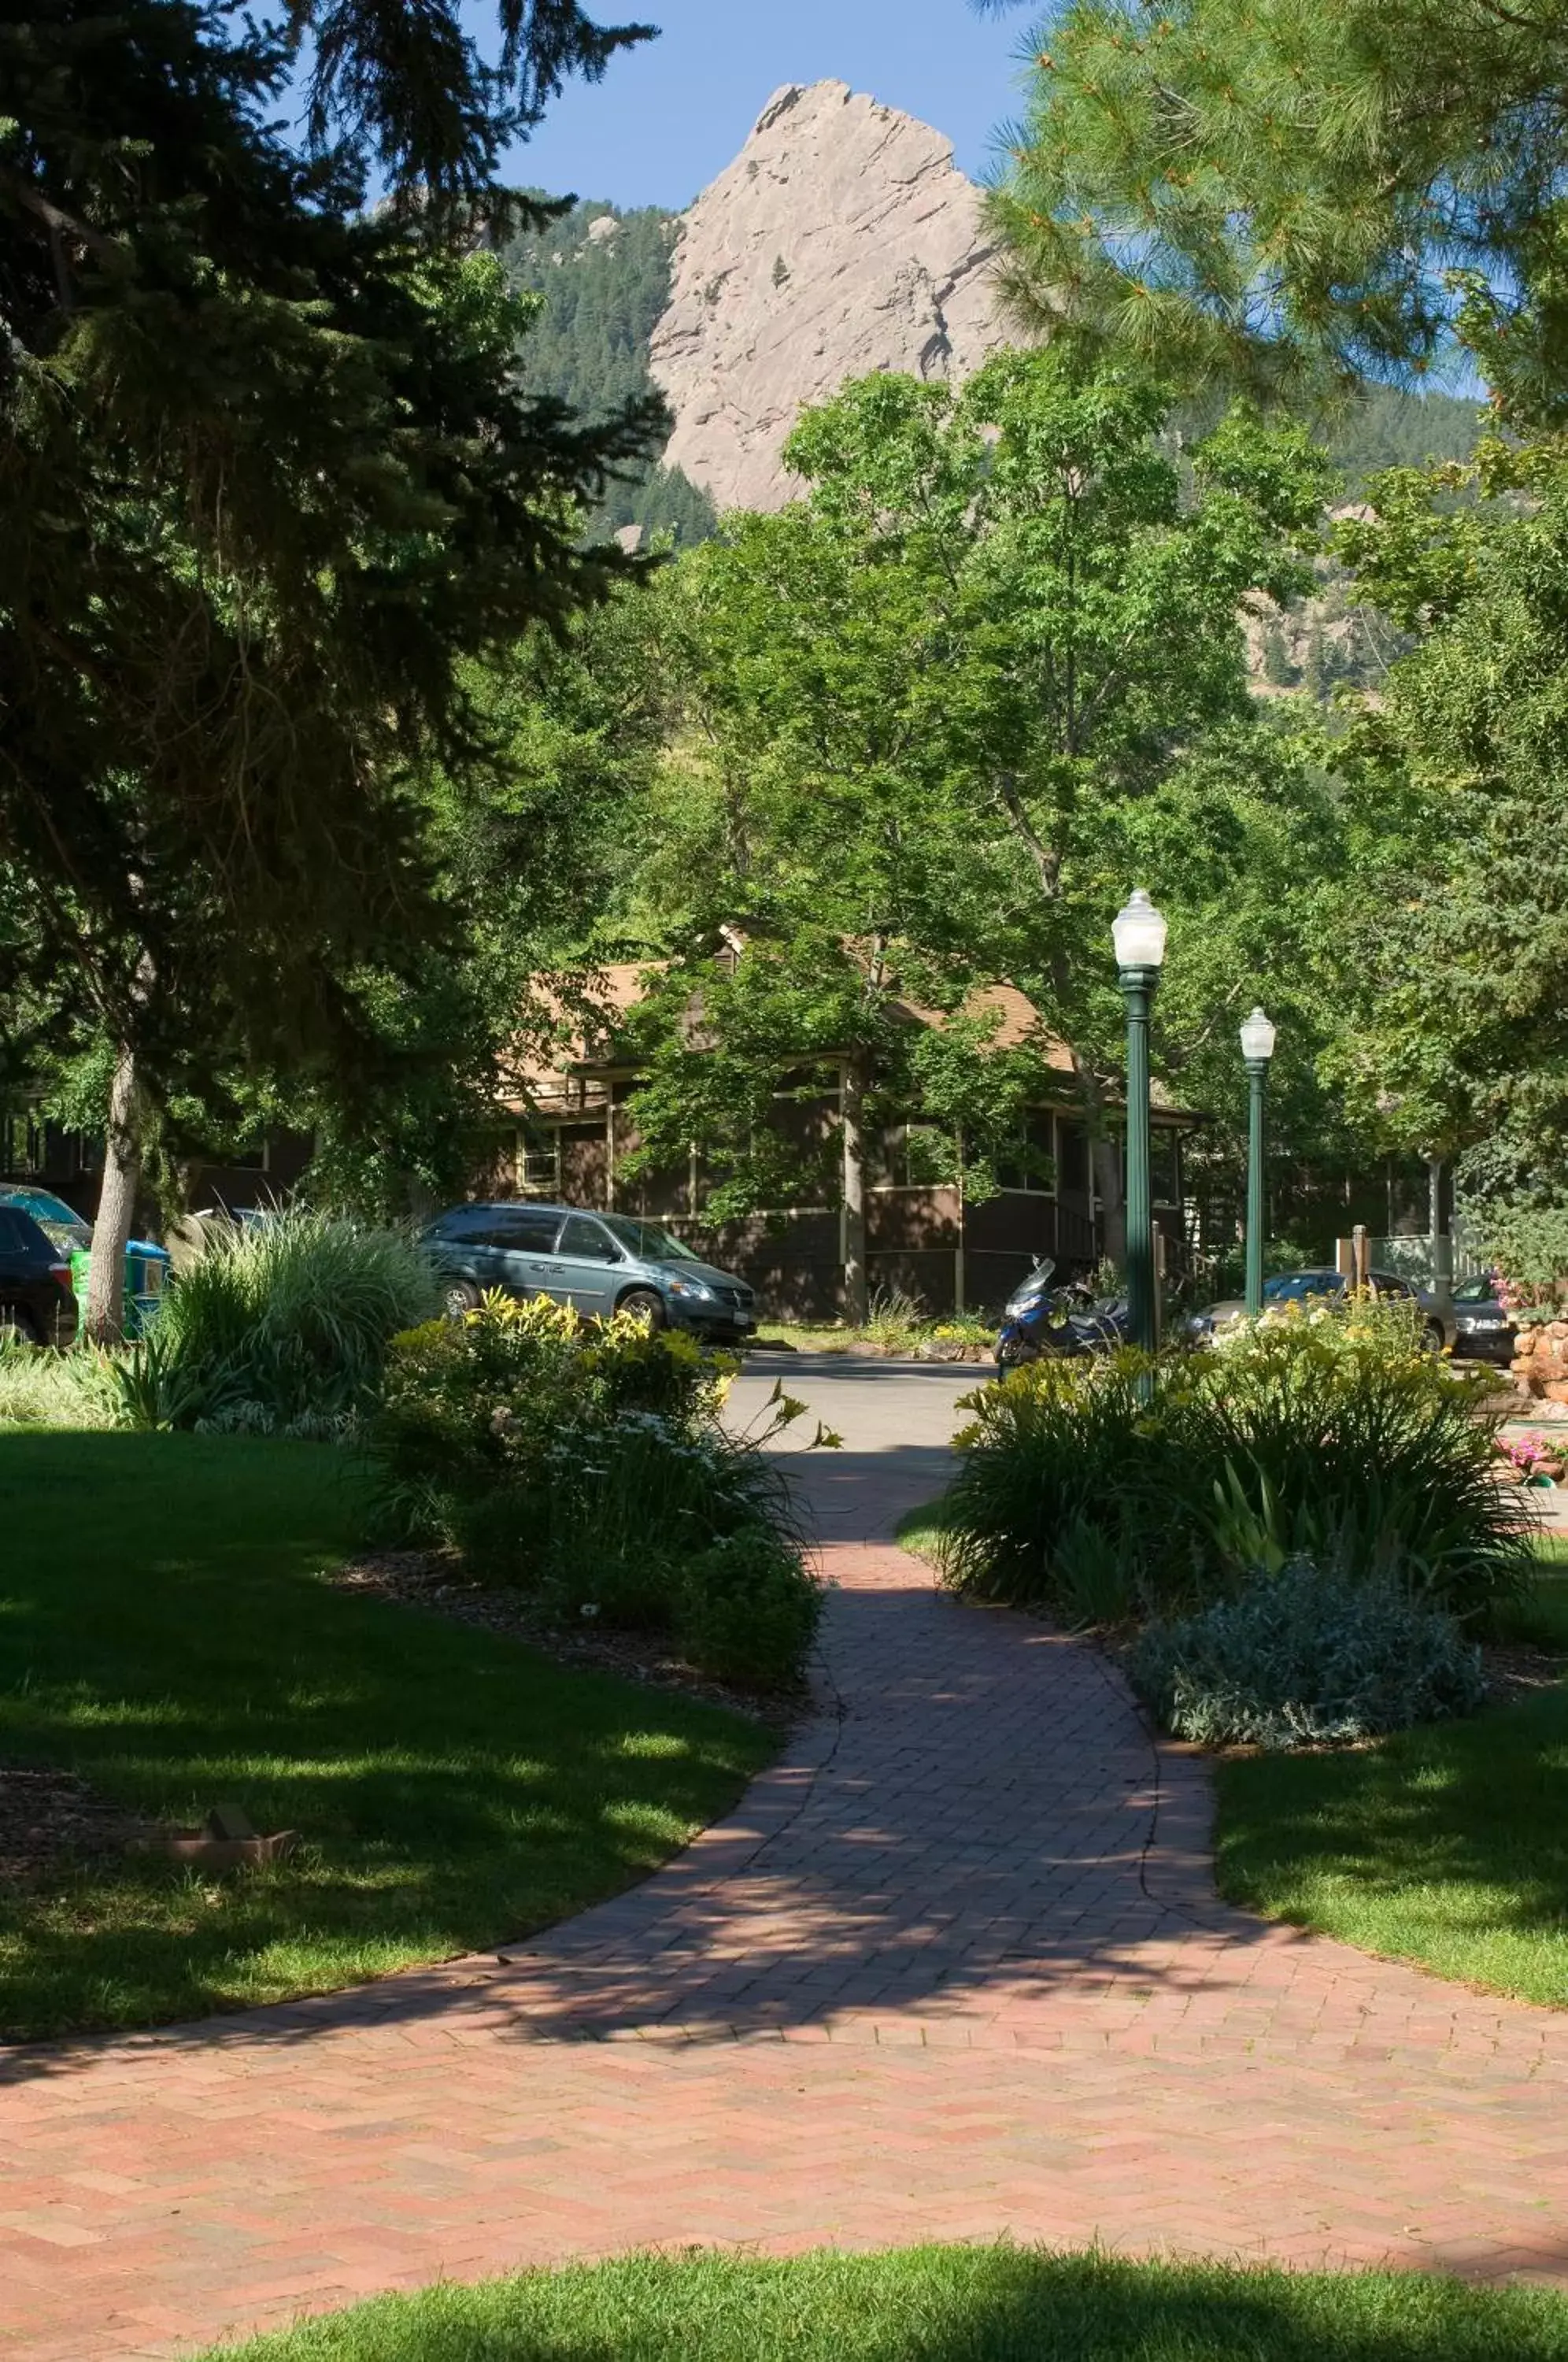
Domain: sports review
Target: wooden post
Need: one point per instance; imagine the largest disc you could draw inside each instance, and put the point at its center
(1361, 1259)
(609, 1148)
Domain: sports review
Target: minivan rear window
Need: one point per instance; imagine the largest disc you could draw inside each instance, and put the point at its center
(523, 1229)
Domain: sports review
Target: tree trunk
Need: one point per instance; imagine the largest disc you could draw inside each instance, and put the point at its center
(852, 1221)
(117, 1205)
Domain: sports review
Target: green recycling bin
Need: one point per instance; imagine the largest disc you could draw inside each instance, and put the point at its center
(147, 1271)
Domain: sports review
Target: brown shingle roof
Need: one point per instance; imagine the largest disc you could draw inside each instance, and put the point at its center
(578, 1025)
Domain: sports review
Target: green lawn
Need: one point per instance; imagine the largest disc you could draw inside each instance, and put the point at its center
(164, 1631)
(1446, 1845)
(935, 2304)
(920, 1529)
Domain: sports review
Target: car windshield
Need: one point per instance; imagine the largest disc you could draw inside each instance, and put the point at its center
(1294, 1286)
(62, 1224)
(648, 1240)
(1479, 1290)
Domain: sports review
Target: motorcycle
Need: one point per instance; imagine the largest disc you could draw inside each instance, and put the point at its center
(1040, 1321)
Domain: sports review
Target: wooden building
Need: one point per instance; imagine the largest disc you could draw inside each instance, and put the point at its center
(571, 1130)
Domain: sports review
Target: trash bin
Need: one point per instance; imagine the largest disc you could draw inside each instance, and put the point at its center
(146, 1269)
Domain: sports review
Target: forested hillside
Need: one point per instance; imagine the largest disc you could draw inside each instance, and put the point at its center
(1390, 428)
(604, 279)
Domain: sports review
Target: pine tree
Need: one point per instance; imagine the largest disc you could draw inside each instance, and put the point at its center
(602, 279)
(1300, 197)
(267, 480)
(1277, 669)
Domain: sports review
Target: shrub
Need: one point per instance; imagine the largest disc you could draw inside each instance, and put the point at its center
(1529, 1247)
(894, 1318)
(589, 1467)
(1332, 1436)
(279, 1329)
(1302, 1658)
(1057, 1451)
(748, 1609)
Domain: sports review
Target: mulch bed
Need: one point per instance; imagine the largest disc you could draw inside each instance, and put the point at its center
(1514, 1671)
(435, 1581)
(51, 1820)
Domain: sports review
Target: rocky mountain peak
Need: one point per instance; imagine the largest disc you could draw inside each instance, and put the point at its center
(841, 239)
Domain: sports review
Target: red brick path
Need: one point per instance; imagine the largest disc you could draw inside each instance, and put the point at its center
(954, 1969)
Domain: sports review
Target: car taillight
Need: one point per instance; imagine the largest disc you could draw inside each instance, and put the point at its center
(61, 1272)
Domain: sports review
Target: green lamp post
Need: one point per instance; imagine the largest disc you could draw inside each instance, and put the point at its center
(1257, 1049)
(1139, 933)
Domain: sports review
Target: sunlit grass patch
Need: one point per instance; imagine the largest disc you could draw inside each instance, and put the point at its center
(1446, 1845)
(166, 1634)
(935, 2304)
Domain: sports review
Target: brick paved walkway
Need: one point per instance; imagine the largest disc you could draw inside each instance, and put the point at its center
(954, 1969)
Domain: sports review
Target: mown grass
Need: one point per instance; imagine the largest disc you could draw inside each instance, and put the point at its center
(1446, 1845)
(920, 1529)
(935, 2304)
(165, 1632)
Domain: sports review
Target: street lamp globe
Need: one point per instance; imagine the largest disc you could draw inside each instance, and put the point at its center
(1258, 1038)
(1139, 933)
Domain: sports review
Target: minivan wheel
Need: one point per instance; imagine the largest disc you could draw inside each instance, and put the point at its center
(460, 1297)
(644, 1303)
(16, 1329)
(1432, 1337)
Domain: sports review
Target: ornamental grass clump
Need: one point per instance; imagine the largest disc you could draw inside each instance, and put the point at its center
(588, 1467)
(279, 1328)
(1148, 1486)
(77, 1389)
(1302, 1657)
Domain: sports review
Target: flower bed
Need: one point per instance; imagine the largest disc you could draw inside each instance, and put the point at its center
(588, 1467)
(1157, 1491)
(1535, 1459)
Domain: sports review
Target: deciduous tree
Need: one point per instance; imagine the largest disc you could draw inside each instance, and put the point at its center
(988, 673)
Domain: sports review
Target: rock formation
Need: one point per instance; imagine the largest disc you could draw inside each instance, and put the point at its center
(841, 239)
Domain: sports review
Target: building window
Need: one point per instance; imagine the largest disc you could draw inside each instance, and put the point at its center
(1164, 1168)
(21, 1143)
(1072, 1160)
(539, 1159)
(910, 1156)
(1032, 1164)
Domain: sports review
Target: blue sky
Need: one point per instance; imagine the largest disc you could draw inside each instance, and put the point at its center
(669, 116)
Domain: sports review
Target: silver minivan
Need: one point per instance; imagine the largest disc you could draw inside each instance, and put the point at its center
(599, 1264)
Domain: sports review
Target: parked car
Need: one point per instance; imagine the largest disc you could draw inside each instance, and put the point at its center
(1483, 1329)
(599, 1264)
(146, 1264)
(1320, 1286)
(62, 1224)
(37, 1303)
